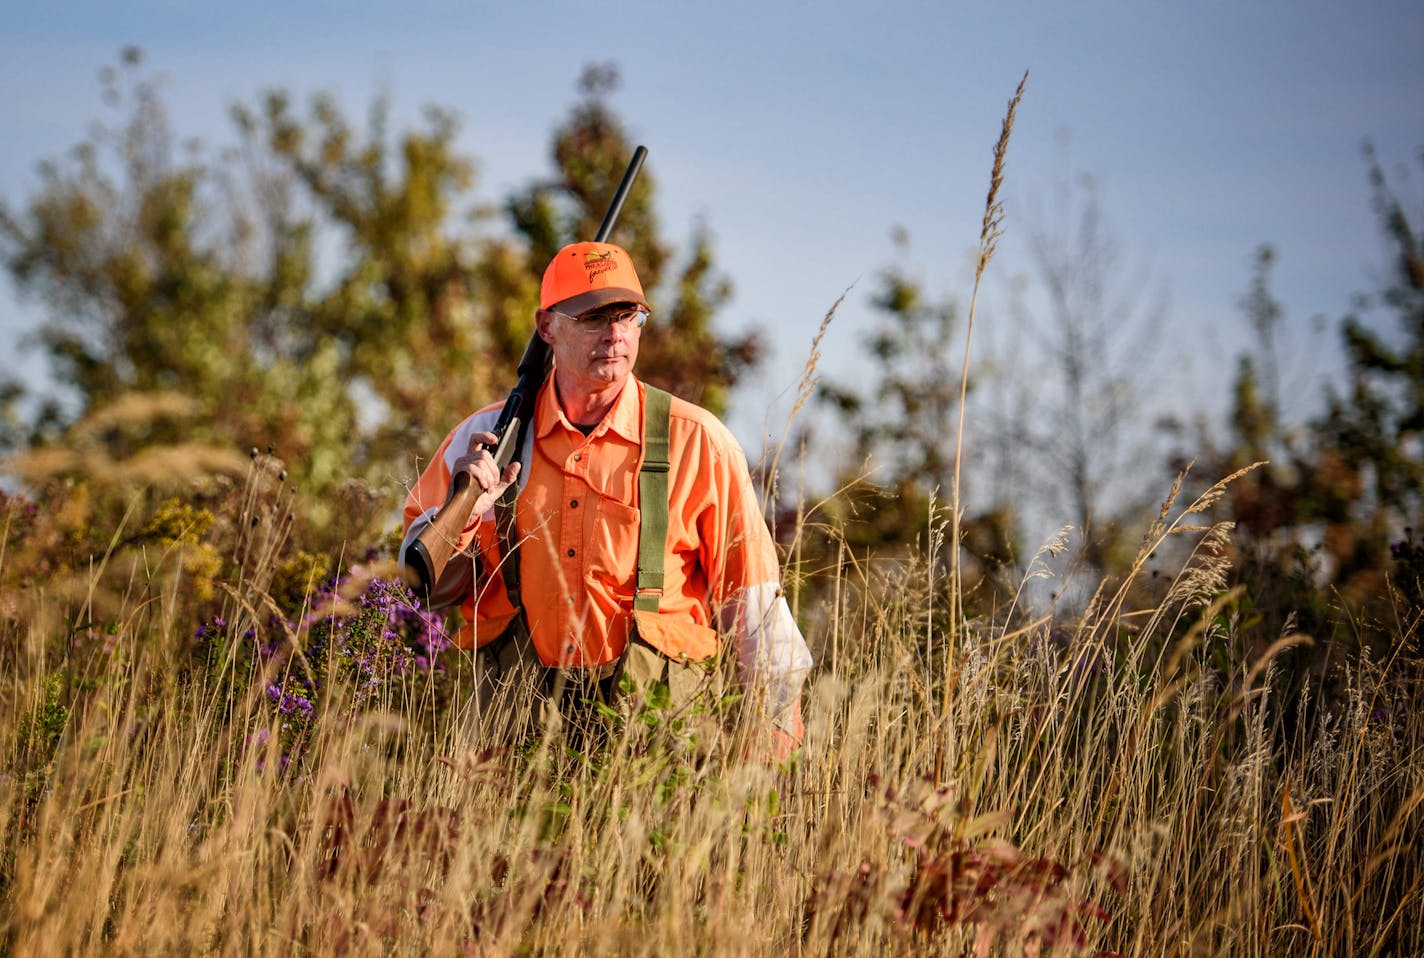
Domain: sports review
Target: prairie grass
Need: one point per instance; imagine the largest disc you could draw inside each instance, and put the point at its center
(1114, 784)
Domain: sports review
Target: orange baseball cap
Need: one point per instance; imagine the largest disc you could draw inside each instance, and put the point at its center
(585, 276)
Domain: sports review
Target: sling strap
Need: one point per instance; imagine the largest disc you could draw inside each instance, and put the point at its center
(653, 499)
(652, 510)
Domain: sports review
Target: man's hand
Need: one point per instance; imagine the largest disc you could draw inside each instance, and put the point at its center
(475, 485)
(772, 743)
(476, 469)
(783, 743)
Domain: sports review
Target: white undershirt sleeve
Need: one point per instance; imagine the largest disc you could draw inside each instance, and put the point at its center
(772, 656)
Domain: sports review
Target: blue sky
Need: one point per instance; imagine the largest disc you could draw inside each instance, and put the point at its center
(803, 133)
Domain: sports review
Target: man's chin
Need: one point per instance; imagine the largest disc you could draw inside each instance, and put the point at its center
(610, 369)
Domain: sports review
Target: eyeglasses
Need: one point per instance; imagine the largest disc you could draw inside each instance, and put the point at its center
(628, 317)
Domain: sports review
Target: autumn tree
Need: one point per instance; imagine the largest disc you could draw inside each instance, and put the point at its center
(681, 350)
(330, 291)
(1323, 528)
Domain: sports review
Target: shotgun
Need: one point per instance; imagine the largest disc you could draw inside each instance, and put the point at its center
(533, 367)
(426, 563)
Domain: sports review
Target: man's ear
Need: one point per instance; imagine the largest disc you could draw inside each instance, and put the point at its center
(544, 324)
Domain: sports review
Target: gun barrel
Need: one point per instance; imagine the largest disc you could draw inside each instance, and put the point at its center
(519, 407)
(518, 410)
(624, 188)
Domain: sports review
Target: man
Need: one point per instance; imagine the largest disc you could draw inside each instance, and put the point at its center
(568, 586)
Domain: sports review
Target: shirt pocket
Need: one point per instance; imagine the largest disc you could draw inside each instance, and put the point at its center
(611, 544)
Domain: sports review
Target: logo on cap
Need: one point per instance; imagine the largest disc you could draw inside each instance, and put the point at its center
(596, 263)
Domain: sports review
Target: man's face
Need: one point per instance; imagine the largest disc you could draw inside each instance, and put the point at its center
(596, 349)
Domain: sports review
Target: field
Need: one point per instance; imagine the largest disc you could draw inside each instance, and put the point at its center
(188, 769)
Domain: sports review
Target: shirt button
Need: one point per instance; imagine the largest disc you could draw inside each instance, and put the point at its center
(571, 553)
(573, 503)
(578, 457)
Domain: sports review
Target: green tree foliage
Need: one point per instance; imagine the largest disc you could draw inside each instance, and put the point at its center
(329, 292)
(681, 351)
(905, 421)
(143, 275)
(401, 317)
(1315, 524)
(1378, 423)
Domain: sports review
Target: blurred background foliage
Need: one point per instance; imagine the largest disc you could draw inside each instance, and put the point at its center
(332, 294)
(323, 291)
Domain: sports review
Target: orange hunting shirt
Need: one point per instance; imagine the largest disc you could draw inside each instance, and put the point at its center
(577, 520)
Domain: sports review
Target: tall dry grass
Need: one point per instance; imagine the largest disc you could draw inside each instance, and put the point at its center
(1108, 787)
(1125, 782)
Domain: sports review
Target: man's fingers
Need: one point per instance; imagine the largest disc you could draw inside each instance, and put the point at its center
(478, 455)
(477, 466)
(483, 472)
(479, 440)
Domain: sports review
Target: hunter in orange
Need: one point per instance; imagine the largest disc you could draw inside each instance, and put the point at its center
(577, 517)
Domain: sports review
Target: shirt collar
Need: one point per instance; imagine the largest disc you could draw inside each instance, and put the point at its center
(624, 419)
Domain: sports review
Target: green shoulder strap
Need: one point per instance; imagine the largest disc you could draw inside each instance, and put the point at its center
(653, 498)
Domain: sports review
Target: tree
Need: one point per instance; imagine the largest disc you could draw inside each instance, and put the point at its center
(680, 350)
(1373, 434)
(1087, 338)
(901, 419)
(330, 293)
(903, 425)
(1284, 504)
(1378, 424)
(419, 319)
(1315, 524)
